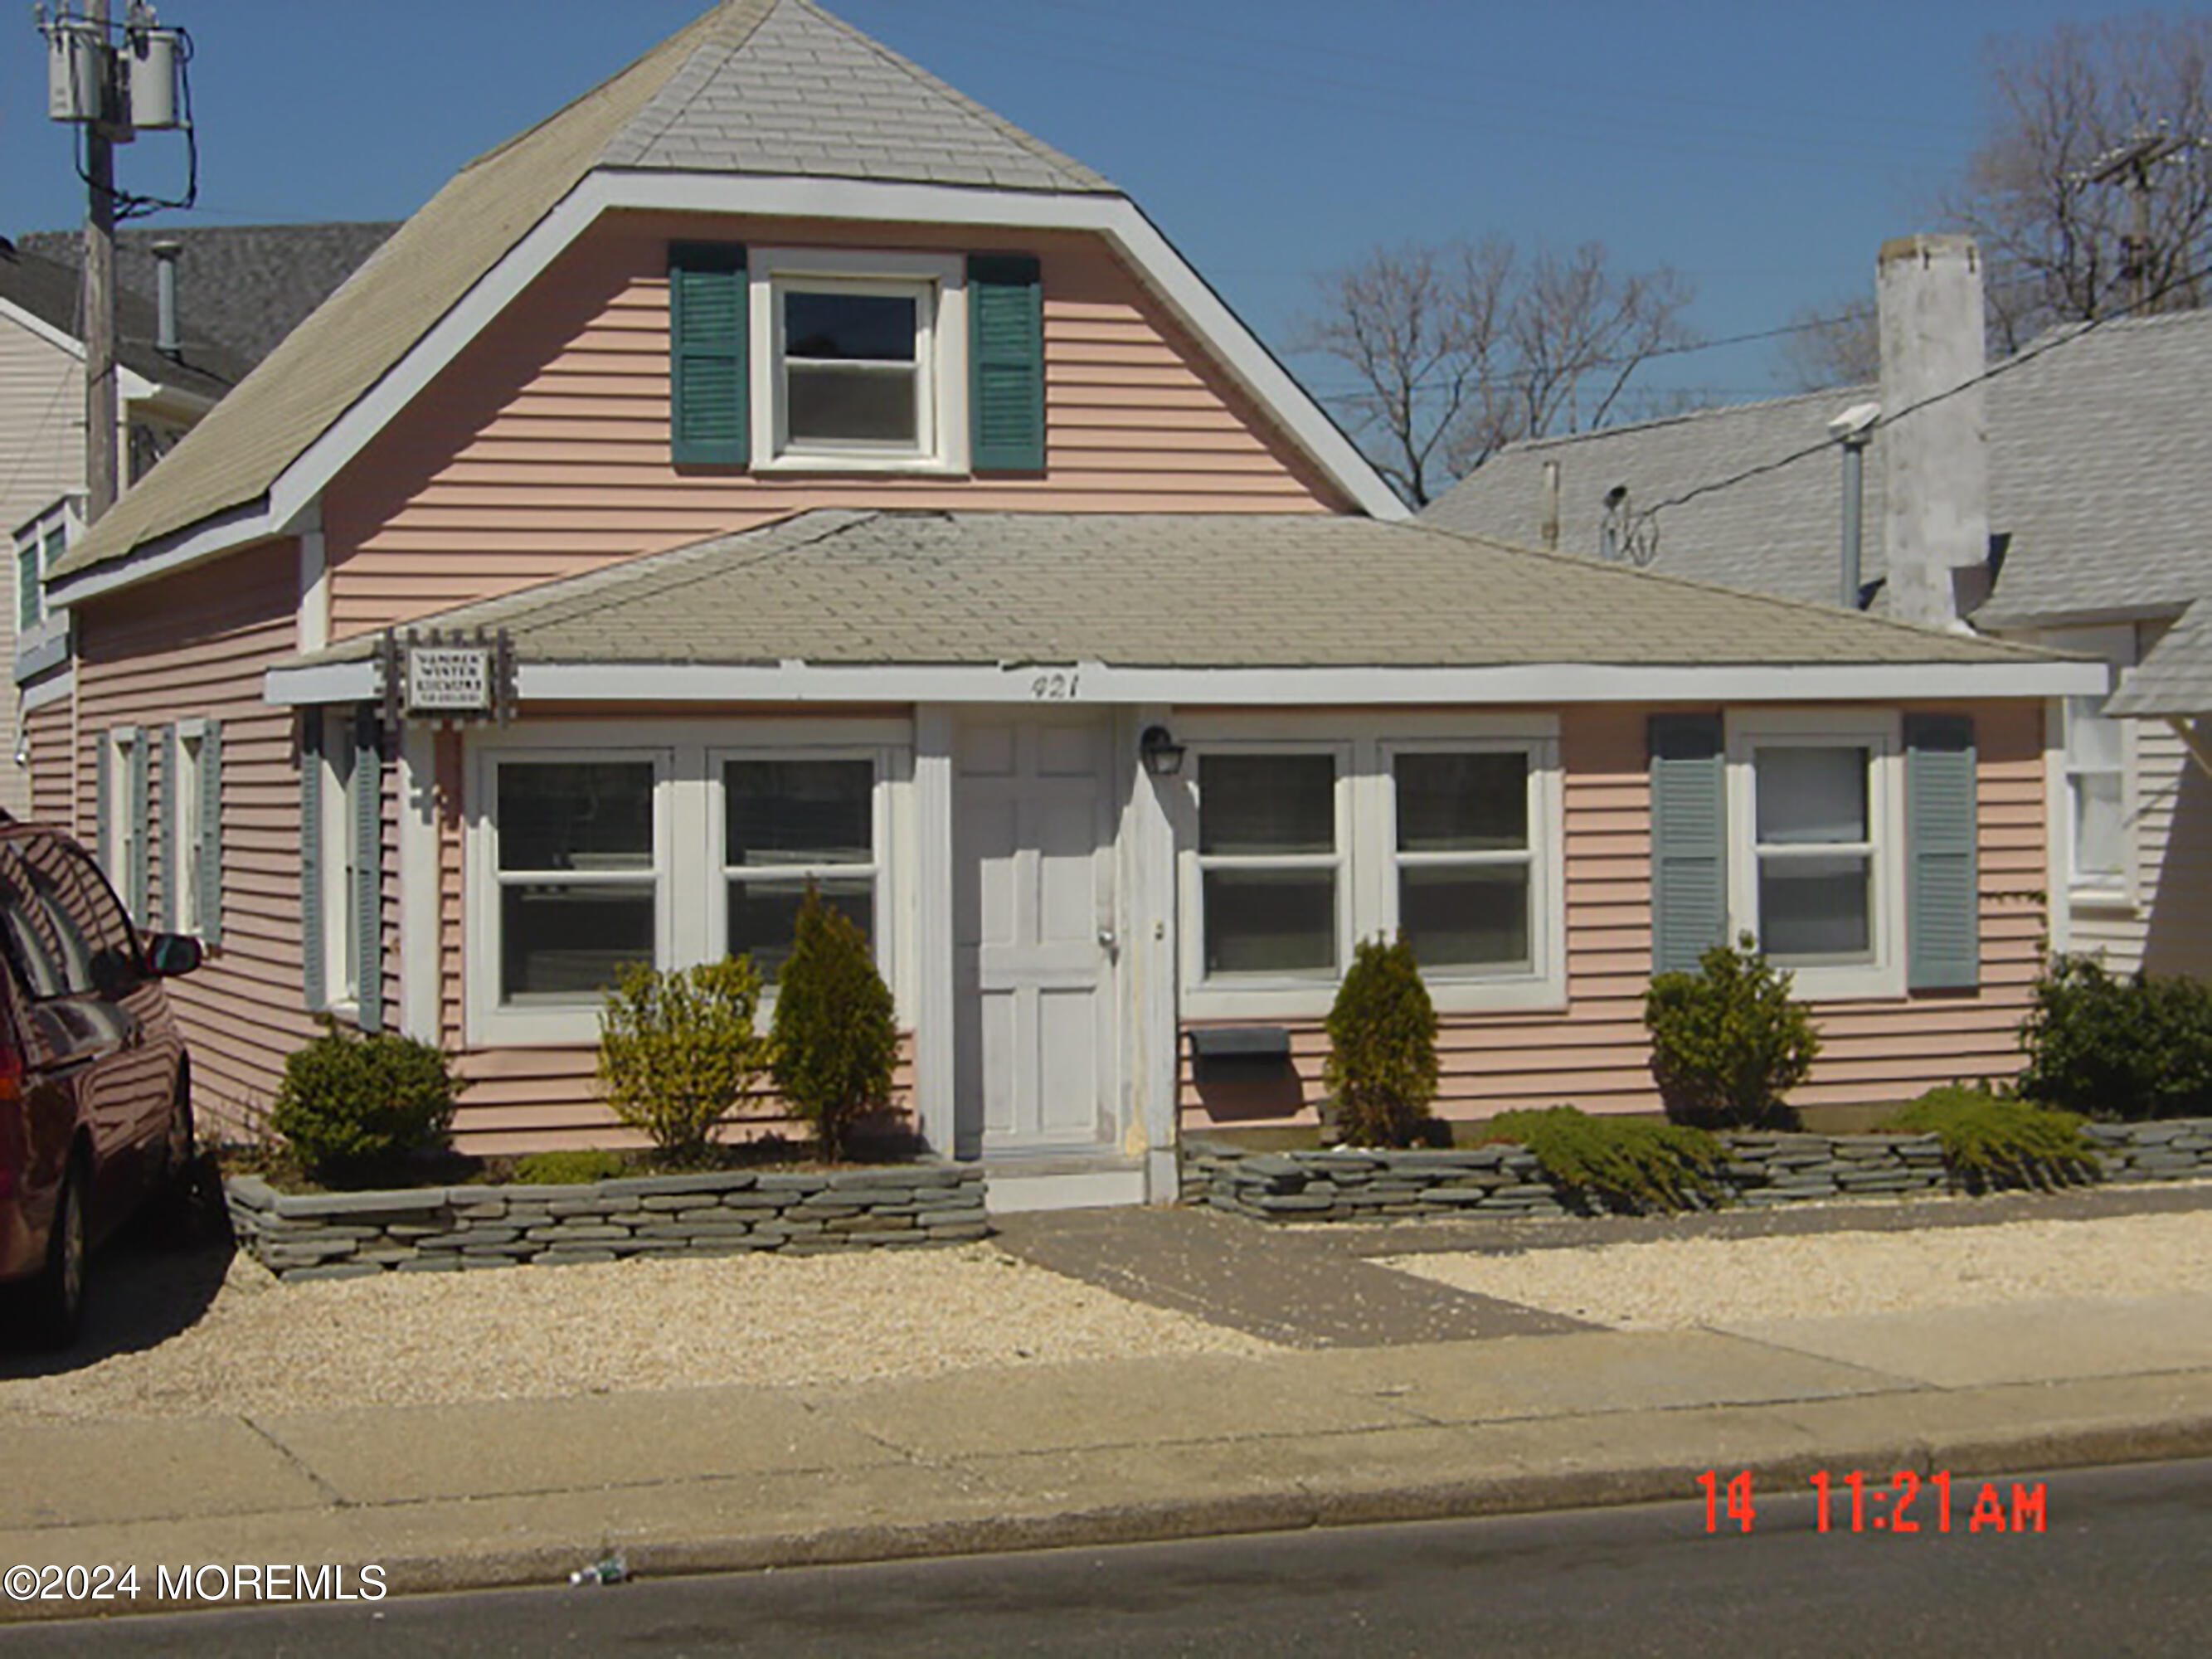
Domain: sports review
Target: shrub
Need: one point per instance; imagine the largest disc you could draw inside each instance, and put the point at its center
(1991, 1141)
(677, 1050)
(1728, 1042)
(2118, 1047)
(351, 1107)
(835, 1042)
(1629, 1162)
(569, 1168)
(1382, 1068)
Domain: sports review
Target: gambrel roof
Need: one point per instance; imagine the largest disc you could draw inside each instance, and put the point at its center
(776, 91)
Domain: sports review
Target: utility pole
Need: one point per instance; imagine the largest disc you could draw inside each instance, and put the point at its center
(2130, 164)
(100, 468)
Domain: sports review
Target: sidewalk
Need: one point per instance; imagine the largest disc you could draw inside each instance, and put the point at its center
(1528, 1413)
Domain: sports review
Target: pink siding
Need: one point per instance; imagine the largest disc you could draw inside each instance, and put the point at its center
(196, 645)
(52, 734)
(1594, 1054)
(542, 450)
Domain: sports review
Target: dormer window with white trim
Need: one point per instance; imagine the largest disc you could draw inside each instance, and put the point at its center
(843, 360)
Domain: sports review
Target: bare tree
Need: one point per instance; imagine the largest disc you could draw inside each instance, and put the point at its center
(2052, 195)
(1839, 344)
(1458, 350)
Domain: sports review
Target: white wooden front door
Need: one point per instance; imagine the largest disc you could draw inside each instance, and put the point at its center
(1034, 922)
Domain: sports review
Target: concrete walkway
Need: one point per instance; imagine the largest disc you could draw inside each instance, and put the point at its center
(1352, 1422)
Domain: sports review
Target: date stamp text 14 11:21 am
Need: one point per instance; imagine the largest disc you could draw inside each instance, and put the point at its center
(1907, 1502)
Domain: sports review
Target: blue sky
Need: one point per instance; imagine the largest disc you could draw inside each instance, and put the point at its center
(1764, 150)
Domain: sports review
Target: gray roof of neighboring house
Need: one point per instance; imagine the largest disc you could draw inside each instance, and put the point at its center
(1164, 590)
(2176, 678)
(844, 108)
(247, 286)
(50, 291)
(2100, 442)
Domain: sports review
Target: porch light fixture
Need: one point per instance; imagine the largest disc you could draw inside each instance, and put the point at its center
(1161, 753)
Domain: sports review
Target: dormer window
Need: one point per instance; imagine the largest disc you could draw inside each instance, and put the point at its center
(848, 360)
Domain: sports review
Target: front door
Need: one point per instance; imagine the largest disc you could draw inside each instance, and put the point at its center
(1033, 934)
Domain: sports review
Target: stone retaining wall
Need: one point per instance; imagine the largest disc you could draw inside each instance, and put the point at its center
(447, 1229)
(1763, 1170)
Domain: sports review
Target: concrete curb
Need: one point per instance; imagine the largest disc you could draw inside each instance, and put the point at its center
(1979, 1454)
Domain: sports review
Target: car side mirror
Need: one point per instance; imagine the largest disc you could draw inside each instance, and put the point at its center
(170, 954)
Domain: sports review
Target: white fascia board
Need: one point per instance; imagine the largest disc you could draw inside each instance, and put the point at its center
(1094, 684)
(222, 532)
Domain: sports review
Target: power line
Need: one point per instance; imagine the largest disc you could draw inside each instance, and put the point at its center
(1649, 515)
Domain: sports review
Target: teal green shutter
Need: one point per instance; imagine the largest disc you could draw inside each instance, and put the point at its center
(1689, 840)
(166, 777)
(710, 393)
(1942, 906)
(103, 789)
(1006, 353)
(135, 875)
(367, 896)
(311, 980)
(209, 920)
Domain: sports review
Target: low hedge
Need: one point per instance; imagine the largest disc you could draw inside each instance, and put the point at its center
(1992, 1141)
(1629, 1163)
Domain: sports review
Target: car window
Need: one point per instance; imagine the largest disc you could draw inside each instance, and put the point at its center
(26, 934)
(98, 950)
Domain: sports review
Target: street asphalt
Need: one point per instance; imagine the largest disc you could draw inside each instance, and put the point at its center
(1388, 1398)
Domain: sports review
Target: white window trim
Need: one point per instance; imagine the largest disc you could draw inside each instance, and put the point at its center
(2117, 644)
(1365, 745)
(181, 783)
(691, 919)
(1881, 733)
(940, 350)
(123, 826)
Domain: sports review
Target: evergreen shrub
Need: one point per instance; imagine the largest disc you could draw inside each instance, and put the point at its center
(833, 1045)
(352, 1108)
(677, 1050)
(1382, 1068)
(1728, 1041)
(1629, 1163)
(573, 1168)
(1990, 1140)
(2119, 1048)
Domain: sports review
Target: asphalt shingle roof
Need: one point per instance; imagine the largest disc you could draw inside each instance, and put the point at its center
(1163, 589)
(247, 286)
(2099, 446)
(49, 289)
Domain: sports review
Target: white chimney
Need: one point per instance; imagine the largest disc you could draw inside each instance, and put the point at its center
(1934, 435)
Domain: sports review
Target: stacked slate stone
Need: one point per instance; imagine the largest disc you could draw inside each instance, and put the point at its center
(2178, 1150)
(1791, 1169)
(457, 1229)
(1373, 1185)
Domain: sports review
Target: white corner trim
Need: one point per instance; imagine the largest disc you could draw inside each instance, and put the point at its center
(1889, 683)
(313, 619)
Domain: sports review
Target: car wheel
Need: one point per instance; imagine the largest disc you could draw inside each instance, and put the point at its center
(57, 1295)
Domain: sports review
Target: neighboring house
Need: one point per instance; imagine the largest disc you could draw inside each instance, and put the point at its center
(865, 493)
(2098, 440)
(42, 435)
(241, 289)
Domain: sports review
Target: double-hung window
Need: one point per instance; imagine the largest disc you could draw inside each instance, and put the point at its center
(2096, 788)
(1446, 828)
(1815, 803)
(860, 361)
(787, 822)
(578, 872)
(601, 846)
(1465, 859)
(1270, 864)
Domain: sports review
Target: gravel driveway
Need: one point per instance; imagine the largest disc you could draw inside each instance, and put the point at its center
(419, 1339)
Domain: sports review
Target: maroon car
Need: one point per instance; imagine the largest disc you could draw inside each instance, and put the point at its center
(96, 1096)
